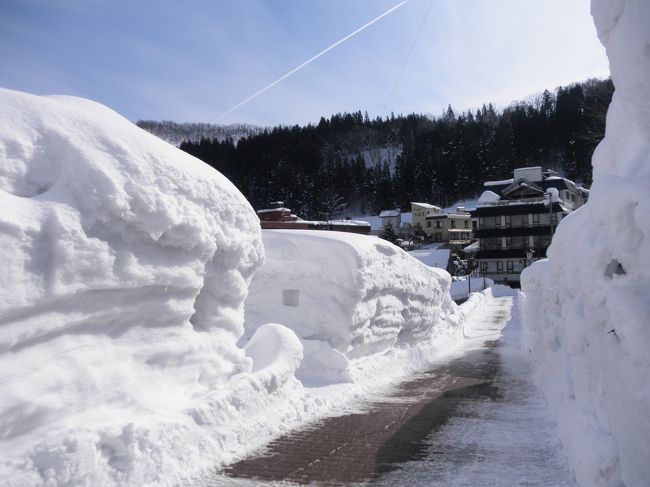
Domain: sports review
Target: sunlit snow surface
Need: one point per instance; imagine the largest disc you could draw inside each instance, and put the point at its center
(588, 305)
(504, 442)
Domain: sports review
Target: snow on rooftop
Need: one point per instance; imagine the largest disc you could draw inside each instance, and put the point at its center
(488, 197)
(426, 205)
(499, 183)
(273, 210)
(375, 221)
(389, 213)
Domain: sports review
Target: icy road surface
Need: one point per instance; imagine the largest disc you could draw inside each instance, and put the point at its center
(475, 420)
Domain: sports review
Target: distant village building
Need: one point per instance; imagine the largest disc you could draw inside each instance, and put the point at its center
(420, 211)
(453, 228)
(392, 218)
(517, 218)
(277, 213)
(280, 218)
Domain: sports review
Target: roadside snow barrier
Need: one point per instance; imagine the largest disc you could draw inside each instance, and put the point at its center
(124, 267)
(358, 295)
(587, 310)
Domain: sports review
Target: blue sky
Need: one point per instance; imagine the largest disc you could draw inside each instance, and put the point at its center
(192, 60)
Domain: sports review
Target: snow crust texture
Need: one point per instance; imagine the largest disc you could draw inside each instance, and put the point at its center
(124, 268)
(347, 296)
(588, 305)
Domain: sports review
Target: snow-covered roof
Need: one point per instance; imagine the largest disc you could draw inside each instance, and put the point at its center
(426, 205)
(499, 183)
(448, 215)
(271, 210)
(488, 197)
(471, 248)
(389, 213)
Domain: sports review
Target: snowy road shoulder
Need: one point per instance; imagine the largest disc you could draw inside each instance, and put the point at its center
(502, 438)
(474, 418)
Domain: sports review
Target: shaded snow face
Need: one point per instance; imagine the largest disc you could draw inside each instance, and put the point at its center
(125, 264)
(588, 307)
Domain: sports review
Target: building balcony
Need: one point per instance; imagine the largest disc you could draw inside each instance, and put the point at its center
(535, 230)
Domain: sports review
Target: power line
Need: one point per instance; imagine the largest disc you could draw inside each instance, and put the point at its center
(392, 91)
(311, 59)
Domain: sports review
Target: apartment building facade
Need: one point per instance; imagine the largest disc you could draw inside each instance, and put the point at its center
(516, 220)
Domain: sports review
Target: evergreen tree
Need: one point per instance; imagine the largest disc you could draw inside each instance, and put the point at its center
(388, 233)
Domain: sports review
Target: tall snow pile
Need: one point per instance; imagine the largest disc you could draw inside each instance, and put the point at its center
(124, 267)
(588, 305)
(346, 296)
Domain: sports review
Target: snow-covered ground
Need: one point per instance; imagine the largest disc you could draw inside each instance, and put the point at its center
(588, 305)
(126, 263)
(377, 375)
(460, 287)
(432, 256)
(346, 296)
(510, 440)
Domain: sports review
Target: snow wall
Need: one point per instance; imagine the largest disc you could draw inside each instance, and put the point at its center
(588, 306)
(124, 268)
(346, 296)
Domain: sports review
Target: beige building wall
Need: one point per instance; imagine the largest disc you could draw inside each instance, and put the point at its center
(420, 212)
(438, 228)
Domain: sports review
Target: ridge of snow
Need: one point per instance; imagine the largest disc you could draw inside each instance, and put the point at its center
(587, 307)
(357, 294)
(125, 266)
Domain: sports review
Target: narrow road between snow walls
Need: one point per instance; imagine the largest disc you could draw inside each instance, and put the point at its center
(475, 420)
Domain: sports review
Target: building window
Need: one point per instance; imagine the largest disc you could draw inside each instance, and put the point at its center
(536, 219)
(438, 224)
(525, 219)
(466, 223)
(519, 242)
(490, 243)
(429, 224)
(508, 221)
(481, 222)
(484, 266)
(438, 237)
(511, 266)
(453, 223)
(499, 266)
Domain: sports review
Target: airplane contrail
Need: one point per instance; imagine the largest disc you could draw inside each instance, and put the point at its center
(311, 59)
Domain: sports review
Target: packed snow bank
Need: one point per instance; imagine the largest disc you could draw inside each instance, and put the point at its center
(460, 287)
(346, 296)
(125, 264)
(588, 306)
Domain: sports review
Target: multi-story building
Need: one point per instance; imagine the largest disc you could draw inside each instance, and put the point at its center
(454, 228)
(519, 215)
(420, 212)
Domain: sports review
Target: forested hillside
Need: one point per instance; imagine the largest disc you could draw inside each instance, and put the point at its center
(387, 162)
(175, 133)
